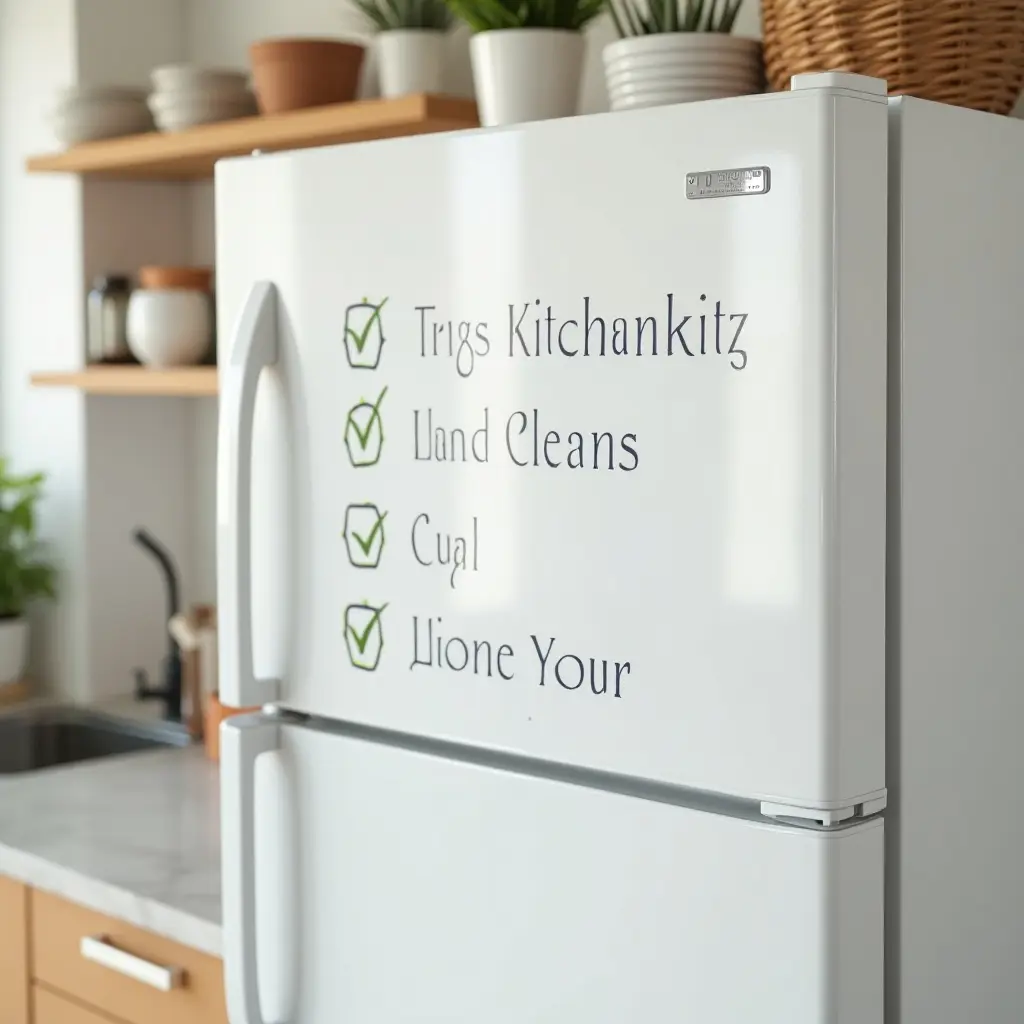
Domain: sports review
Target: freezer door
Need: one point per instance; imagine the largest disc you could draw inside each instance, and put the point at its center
(549, 458)
(397, 887)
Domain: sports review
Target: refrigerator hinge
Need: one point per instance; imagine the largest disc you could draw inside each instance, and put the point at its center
(825, 817)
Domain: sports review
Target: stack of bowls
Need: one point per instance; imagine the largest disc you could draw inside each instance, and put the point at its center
(681, 67)
(184, 96)
(87, 112)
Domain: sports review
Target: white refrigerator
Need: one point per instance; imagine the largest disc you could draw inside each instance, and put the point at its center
(619, 524)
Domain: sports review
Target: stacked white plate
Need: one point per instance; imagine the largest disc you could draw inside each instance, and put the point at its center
(680, 67)
(184, 96)
(87, 112)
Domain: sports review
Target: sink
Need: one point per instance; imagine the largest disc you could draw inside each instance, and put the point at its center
(46, 737)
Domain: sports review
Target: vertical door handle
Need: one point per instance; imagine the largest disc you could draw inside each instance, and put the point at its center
(243, 739)
(254, 347)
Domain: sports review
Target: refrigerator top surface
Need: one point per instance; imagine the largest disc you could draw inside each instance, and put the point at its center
(551, 459)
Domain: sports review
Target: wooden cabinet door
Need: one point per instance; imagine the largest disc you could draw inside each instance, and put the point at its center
(14, 979)
(50, 1008)
(61, 963)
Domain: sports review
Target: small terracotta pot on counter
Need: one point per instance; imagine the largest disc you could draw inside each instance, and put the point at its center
(290, 74)
(192, 279)
(215, 714)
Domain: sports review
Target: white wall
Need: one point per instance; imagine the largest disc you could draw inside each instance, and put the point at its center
(141, 462)
(113, 464)
(41, 315)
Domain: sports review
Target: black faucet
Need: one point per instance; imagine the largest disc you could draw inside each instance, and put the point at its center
(170, 691)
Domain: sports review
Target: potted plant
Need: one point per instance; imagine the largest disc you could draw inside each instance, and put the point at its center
(677, 51)
(410, 43)
(24, 573)
(527, 56)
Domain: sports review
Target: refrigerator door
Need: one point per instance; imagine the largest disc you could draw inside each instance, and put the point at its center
(397, 887)
(550, 458)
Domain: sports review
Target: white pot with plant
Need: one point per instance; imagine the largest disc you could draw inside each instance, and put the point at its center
(527, 56)
(24, 574)
(410, 43)
(678, 51)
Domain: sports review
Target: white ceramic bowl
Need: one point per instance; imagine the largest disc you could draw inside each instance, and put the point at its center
(670, 79)
(178, 120)
(705, 62)
(197, 104)
(86, 95)
(174, 122)
(169, 327)
(664, 99)
(172, 77)
(696, 45)
(200, 93)
(72, 129)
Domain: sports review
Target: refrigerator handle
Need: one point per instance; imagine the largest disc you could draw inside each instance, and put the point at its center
(243, 738)
(254, 347)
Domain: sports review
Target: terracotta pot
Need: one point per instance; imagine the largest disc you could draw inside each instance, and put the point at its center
(193, 279)
(289, 74)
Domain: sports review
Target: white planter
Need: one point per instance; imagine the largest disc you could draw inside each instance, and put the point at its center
(410, 60)
(681, 67)
(526, 74)
(13, 650)
(169, 327)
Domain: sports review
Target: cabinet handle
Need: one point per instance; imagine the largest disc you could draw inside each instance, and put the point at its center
(99, 950)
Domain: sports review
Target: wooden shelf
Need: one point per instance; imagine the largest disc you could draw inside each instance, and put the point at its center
(182, 382)
(191, 154)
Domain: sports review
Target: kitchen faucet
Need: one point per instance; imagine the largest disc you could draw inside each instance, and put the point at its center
(170, 691)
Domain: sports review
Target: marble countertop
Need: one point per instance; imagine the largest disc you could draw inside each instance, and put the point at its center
(135, 836)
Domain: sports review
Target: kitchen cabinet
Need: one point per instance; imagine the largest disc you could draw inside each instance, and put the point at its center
(77, 966)
(120, 970)
(14, 981)
(50, 1008)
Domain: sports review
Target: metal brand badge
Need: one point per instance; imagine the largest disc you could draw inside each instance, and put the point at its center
(737, 181)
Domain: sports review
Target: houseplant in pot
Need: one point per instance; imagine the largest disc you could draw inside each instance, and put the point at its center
(527, 56)
(410, 43)
(24, 574)
(675, 51)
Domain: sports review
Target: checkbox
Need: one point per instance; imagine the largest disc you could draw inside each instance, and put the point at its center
(364, 432)
(364, 535)
(364, 334)
(364, 635)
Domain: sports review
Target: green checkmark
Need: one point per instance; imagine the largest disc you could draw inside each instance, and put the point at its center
(364, 524)
(359, 338)
(364, 455)
(366, 544)
(357, 640)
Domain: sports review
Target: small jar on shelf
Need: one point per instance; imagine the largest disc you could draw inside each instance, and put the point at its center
(106, 321)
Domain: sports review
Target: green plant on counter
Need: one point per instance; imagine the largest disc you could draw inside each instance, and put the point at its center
(488, 15)
(24, 574)
(385, 15)
(633, 18)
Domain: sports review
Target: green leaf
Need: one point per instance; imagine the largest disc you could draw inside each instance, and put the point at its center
(671, 16)
(24, 572)
(616, 21)
(383, 15)
(491, 15)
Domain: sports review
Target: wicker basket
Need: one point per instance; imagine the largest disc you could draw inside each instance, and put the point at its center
(966, 52)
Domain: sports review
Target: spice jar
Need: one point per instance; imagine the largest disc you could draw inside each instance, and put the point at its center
(106, 320)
